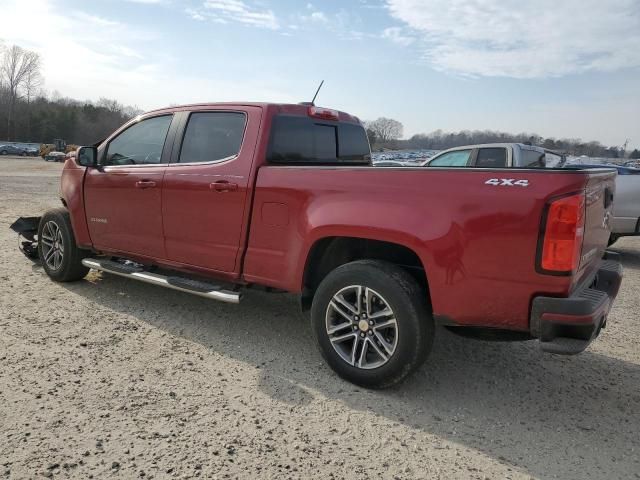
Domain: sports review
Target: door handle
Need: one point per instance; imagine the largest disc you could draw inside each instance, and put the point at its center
(223, 186)
(145, 184)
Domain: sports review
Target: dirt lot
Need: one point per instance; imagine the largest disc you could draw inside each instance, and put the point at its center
(111, 378)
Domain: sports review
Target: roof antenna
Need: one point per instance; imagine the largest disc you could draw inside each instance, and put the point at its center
(317, 91)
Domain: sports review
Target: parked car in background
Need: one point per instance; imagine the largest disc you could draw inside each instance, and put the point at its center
(392, 163)
(496, 155)
(405, 157)
(55, 157)
(635, 163)
(626, 204)
(12, 150)
(31, 150)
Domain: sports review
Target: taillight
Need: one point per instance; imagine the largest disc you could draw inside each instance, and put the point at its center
(563, 234)
(323, 113)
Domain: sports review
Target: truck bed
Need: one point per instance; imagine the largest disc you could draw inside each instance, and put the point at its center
(476, 235)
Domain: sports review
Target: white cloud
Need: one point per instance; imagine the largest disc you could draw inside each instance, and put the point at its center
(107, 56)
(223, 11)
(345, 24)
(94, 20)
(117, 60)
(514, 38)
(194, 14)
(397, 35)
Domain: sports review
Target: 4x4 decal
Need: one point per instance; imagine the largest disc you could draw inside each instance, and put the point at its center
(507, 182)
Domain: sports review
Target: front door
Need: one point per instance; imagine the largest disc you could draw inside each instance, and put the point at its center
(123, 196)
(206, 188)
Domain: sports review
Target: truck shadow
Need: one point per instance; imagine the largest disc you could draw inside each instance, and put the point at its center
(629, 250)
(506, 400)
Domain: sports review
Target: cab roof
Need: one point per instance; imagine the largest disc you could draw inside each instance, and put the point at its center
(278, 108)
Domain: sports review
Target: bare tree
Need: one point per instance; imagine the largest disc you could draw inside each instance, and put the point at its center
(16, 67)
(385, 129)
(32, 84)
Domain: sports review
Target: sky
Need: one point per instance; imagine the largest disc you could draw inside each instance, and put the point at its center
(567, 68)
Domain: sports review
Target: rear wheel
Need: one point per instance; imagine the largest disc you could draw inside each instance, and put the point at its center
(372, 323)
(61, 258)
(613, 238)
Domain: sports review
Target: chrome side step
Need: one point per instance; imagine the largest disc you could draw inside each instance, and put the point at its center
(195, 287)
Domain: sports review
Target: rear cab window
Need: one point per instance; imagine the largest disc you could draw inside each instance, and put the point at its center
(301, 140)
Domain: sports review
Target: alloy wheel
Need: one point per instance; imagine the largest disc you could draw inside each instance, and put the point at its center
(52, 245)
(362, 327)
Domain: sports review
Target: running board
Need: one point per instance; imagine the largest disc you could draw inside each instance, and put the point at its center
(195, 287)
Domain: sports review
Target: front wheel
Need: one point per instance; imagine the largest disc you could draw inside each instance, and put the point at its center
(372, 323)
(61, 258)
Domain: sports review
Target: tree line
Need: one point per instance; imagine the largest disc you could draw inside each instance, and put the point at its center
(29, 114)
(385, 133)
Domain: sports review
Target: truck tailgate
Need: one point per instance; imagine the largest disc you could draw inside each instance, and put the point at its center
(599, 201)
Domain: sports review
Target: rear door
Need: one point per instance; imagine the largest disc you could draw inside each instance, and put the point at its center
(207, 186)
(122, 197)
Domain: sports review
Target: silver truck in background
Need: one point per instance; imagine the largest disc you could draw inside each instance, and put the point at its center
(626, 207)
(497, 155)
(626, 204)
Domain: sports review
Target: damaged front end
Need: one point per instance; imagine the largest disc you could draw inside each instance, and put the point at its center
(27, 230)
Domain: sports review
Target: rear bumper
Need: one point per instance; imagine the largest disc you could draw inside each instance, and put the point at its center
(568, 325)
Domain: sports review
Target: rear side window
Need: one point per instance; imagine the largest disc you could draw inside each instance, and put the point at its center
(212, 136)
(459, 158)
(302, 140)
(491, 158)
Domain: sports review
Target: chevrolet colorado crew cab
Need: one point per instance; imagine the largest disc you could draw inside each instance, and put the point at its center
(212, 199)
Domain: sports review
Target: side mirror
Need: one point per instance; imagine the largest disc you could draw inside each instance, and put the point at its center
(87, 157)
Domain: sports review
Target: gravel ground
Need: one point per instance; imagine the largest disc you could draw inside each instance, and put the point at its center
(108, 377)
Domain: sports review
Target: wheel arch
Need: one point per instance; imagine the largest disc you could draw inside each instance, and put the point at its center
(328, 253)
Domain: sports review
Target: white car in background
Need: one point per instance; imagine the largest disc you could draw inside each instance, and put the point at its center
(54, 157)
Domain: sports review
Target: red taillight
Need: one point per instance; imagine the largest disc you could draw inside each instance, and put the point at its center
(323, 113)
(563, 234)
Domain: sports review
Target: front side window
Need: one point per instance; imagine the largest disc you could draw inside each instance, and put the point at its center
(492, 158)
(459, 158)
(212, 136)
(140, 144)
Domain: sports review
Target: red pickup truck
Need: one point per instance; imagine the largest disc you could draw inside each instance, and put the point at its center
(212, 199)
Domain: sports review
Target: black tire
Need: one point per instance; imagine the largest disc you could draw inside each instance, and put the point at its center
(3, 152)
(413, 334)
(69, 267)
(613, 238)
